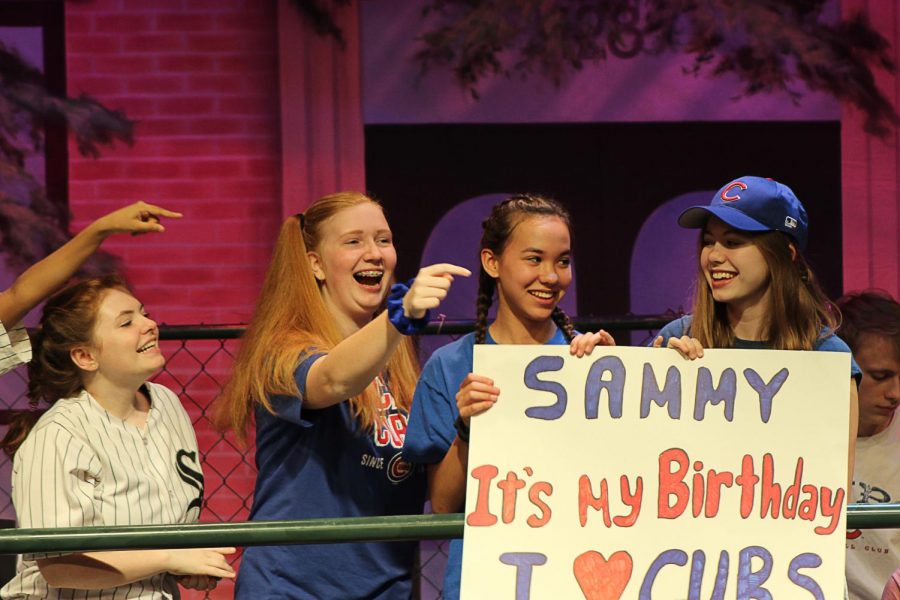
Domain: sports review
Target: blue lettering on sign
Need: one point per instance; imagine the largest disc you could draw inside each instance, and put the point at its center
(523, 562)
(615, 387)
(539, 365)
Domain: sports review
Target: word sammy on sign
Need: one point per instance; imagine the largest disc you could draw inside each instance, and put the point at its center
(635, 474)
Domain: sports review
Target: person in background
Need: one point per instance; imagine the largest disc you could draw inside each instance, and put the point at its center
(871, 327)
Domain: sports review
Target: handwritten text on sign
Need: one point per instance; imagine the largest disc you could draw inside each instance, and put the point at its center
(634, 473)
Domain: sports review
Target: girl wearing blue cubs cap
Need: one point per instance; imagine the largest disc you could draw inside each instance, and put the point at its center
(754, 288)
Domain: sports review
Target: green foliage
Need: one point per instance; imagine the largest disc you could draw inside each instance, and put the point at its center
(771, 46)
(31, 225)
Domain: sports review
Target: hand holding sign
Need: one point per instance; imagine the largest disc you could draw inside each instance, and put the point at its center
(476, 394)
(584, 343)
(687, 346)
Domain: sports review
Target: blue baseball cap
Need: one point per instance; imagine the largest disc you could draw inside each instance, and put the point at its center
(753, 204)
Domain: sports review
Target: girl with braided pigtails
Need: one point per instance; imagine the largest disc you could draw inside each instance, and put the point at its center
(526, 262)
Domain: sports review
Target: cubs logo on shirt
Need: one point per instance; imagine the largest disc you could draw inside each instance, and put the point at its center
(390, 430)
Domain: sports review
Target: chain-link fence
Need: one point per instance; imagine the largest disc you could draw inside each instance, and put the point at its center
(199, 360)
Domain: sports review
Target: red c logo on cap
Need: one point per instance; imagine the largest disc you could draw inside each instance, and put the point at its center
(736, 184)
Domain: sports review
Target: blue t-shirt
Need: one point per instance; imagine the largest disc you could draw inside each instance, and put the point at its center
(318, 464)
(432, 421)
(828, 342)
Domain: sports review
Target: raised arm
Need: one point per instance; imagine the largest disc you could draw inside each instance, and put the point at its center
(354, 363)
(45, 277)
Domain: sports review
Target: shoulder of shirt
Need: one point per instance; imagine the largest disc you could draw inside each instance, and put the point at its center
(455, 350)
(74, 407)
(683, 323)
(65, 416)
(829, 340)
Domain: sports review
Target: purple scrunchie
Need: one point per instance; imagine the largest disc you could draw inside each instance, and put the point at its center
(396, 315)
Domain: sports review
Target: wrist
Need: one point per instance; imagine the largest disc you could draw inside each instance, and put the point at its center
(398, 314)
(162, 560)
(95, 232)
(408, 311)
(462, 429)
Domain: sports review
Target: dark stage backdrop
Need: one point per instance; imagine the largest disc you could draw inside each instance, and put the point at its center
(610, 176)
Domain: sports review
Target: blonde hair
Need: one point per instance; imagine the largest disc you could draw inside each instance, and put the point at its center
(291, 321)
(798, 310)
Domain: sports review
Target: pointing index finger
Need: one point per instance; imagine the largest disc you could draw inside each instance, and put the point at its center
(448, 269)
(159, 211)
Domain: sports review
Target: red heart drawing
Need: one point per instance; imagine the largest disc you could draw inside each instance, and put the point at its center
(601, 579)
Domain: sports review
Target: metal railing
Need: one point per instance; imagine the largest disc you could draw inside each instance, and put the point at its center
(310, 531)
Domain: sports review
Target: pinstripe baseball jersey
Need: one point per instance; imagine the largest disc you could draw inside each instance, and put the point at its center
(15, 348)
(81, 466)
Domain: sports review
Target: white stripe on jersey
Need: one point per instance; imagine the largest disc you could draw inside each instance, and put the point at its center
(82, 467)
(15, 348)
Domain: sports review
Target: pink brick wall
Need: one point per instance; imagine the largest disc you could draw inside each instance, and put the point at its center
(201, 79)
(870, 173)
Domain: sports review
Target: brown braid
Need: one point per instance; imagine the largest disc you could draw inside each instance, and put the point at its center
(486, 287)
(498, 228)
(563, 321)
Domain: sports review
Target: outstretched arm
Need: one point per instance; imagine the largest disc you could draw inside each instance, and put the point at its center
(353, 364)
(45, 277)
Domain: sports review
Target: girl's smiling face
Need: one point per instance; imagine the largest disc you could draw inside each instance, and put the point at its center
(534, 270)
(734, 267)
(355, 261)
(125, 346)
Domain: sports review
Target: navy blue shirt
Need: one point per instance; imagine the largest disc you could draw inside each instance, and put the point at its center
(318, 464)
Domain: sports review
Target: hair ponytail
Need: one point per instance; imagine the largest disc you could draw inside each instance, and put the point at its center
(19, 426)
(563, 321)
(67, 321)
(486, 287)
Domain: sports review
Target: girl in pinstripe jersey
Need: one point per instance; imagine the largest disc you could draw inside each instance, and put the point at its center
(112, 449)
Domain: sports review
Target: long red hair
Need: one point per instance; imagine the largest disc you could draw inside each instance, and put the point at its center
(290, 321)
